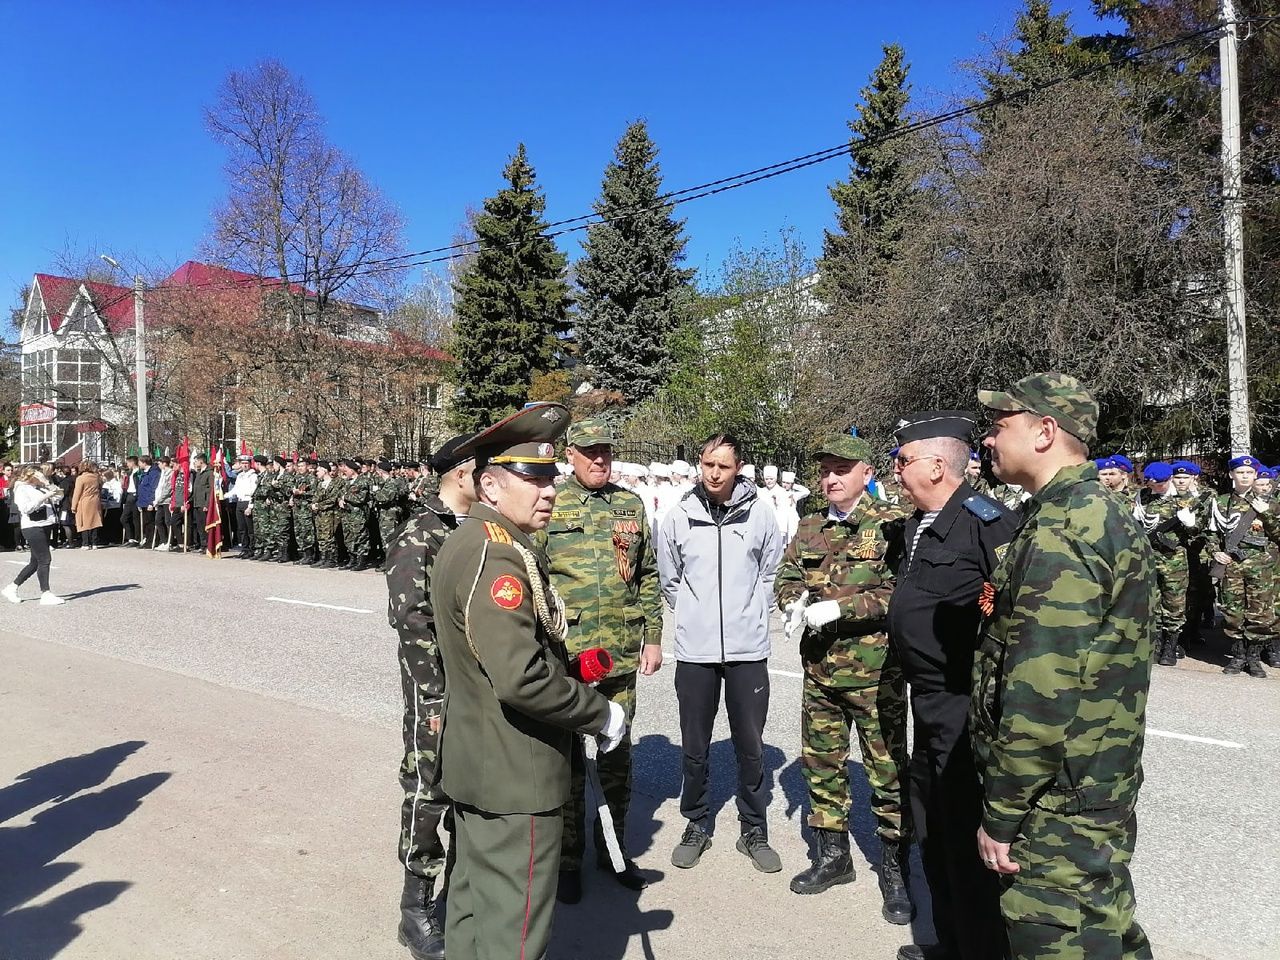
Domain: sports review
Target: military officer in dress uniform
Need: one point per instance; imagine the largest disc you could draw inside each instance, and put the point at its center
(511, 708)
(600, 549)
(950, 546)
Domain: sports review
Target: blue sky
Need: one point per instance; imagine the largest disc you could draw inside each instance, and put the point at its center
(107, 151)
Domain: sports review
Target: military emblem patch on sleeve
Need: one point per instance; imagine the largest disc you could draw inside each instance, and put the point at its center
(507, 592)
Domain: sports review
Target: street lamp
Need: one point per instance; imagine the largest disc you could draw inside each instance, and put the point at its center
(139, 357)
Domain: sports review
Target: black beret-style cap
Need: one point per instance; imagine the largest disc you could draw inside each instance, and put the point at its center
(926, 425)
(261, 459)
(451, 454)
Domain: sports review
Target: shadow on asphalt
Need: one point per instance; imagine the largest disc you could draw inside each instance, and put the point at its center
(113, 588)
(30, 853)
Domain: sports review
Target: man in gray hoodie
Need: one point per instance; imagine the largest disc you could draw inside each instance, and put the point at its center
(717, 552)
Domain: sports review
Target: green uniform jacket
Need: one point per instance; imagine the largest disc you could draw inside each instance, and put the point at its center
(847, 561)
(306, 483)
(510, 707)
(1060, 683)
(358, 493)
(1158, 515)
(325, 498)
(600, 551)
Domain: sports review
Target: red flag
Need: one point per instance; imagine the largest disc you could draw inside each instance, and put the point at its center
(213, 511)
(183, 458)
(244, 449)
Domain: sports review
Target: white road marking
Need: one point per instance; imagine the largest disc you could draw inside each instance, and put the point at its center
(787, 673)
(327, 606)
(1190, 739)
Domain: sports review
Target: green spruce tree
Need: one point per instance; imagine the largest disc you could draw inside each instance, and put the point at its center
(871, 203)
(1045, 48)
(634, 293)
(511, 304)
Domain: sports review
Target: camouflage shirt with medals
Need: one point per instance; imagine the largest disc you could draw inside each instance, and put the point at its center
(847, 560)
(600, 550)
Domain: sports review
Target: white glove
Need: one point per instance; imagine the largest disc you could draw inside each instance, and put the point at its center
(793, 627)
(615, 728)
(1259, 505)
(818, 615)
(1187, 518)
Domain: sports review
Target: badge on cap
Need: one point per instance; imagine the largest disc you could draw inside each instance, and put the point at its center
(507, 592)
(546, 450)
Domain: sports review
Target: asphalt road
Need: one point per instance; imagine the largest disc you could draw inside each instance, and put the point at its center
(199, 761)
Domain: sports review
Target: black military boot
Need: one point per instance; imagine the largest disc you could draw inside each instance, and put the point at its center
(893, 883)
(831, 864)
(1271, 655)
(1167, 649)
(419, 930)
(1252, 667)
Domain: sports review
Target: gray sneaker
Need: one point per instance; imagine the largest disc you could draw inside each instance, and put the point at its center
(689, 850)
(755, 845)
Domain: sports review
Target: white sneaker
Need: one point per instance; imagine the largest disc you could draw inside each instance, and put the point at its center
(162, 547)
(10, 593)
(86, 547)
(48, 599)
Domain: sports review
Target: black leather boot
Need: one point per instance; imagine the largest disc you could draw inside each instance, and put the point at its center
(897, 907)
(419, 930)
(1168, 651)
(1253, 668)
(831, 864)
(1271, 655)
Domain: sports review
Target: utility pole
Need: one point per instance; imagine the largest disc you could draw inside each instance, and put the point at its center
(1233, 234)
(140, 367)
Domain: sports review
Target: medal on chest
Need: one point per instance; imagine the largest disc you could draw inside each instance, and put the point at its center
(625, 535)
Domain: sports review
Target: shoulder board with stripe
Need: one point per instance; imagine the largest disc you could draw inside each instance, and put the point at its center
(496, 532)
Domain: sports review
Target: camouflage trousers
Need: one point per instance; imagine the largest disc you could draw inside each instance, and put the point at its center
(614, 769)
(284, 530)
(304, 527)
(389, 521)
(327, 534)
(879, 714)
(425, 808)
(1073, 897)
(264, 529)
(1247, 595)
(1174, 577)
(355, 535)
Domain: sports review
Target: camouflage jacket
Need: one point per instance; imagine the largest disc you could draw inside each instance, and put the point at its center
(301, 489)
(1225, 513)
(600, 550)
(1060, 683)
(849, 561)
(409, 561)
(357, 493)
(262, 496)
(1158, 515)
(325, 499)
(390, 495)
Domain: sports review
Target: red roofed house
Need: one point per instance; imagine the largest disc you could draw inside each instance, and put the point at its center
(368, 390)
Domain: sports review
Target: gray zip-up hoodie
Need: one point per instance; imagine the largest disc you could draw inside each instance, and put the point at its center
(718, 576)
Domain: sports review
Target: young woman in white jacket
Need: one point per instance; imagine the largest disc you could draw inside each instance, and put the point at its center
(37, 501)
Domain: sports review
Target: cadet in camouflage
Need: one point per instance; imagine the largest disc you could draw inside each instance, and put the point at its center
(389, 494)
(356, 495)
(324, 508)
(1060, 685)
(304, 523)
(1243, 528)
(1174, 529)
(600, 551)
(282, 497)
(264, 512)
(410, 558)
(841, 557)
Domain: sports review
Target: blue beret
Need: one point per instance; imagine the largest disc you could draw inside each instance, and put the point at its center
(894, 451)
(974, 455)
(1266, 473)
(1102, 463)
(1158, 471)
(1185, 468)
(1243, 461)
(1123, 462)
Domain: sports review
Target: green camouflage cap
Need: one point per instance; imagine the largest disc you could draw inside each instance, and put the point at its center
(845, 447)
(1054, 395)
(590, 432)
